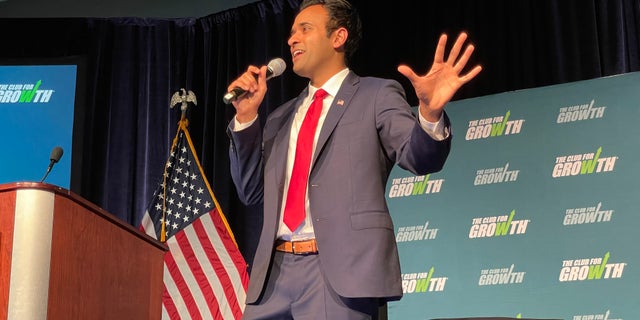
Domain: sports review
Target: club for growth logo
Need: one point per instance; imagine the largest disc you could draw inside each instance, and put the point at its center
(580, 112)
(416, 233)
(493, 127)
(501, 276)
(598, 316)
(422, 282)
(588, 269)
(495, 175)
(497, 226)
(583, 164)
(24, 93)
(587, 215)
(414, 185)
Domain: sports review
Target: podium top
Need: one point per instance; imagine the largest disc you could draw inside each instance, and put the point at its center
(35, 185)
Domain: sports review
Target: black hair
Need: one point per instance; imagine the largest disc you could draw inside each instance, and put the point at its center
(341, 15)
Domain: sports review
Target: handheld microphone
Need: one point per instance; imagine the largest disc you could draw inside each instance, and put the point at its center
(274, 68)
(55, 156)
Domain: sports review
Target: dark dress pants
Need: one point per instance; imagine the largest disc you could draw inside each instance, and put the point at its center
(297, 289)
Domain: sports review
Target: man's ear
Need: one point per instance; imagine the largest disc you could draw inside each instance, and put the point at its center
(340, 37)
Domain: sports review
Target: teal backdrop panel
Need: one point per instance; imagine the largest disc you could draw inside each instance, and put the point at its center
(535, 214)
(37, 111)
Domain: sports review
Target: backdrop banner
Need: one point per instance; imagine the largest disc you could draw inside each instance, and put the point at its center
(535, 214)
(37, 111)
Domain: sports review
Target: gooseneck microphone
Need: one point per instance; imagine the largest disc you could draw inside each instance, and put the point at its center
(55, 156)
(274, 68)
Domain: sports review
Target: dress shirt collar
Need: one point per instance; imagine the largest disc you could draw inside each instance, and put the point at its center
(332, 85)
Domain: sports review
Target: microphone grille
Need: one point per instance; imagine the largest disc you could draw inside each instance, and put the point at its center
(277, 66)
(56, 154)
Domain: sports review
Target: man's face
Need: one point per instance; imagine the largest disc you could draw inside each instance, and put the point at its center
(311, 49)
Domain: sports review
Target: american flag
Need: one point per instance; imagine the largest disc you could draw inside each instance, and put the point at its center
(205, 275)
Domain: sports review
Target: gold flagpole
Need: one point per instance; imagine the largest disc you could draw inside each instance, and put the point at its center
(182, 97)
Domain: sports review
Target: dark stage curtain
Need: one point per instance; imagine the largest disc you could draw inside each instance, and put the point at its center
(124, 125)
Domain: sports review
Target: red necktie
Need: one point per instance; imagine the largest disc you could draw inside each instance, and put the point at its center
(294, 210)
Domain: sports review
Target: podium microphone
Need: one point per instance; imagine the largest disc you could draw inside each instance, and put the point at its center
(274, 68)
(55, 156)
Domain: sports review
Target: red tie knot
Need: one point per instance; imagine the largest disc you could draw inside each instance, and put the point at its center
(320, 94)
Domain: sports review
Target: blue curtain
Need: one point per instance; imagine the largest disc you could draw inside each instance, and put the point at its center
(124, 125)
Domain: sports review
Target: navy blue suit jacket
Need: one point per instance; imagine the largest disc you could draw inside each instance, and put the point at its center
(369, 128)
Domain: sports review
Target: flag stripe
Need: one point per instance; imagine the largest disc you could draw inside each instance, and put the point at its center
(222, 239)
(181, 279)
(199, 261)
(169, 308)
(192, 275)
(218, 266)
(233, 266)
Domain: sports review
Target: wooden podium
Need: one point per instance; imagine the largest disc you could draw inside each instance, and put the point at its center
(61, 257)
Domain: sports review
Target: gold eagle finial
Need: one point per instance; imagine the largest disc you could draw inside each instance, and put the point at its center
(183, 97)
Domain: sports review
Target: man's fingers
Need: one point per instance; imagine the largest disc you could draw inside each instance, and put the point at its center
(442, 43)
(471, 74)
(407, 72)
(462, 62)
(455, 50)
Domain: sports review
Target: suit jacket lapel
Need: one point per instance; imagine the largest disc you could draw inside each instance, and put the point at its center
(338, 106)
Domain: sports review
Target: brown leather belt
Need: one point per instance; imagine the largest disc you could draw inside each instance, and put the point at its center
(297, 247)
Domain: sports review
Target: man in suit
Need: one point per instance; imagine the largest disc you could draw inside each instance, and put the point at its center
(327, 248)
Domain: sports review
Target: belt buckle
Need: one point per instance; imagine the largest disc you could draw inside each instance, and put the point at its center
(293, 249)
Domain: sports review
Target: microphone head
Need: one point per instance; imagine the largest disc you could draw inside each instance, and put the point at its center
(56, 154)
(277, 66)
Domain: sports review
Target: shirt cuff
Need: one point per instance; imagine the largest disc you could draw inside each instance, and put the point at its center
(436, 130)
